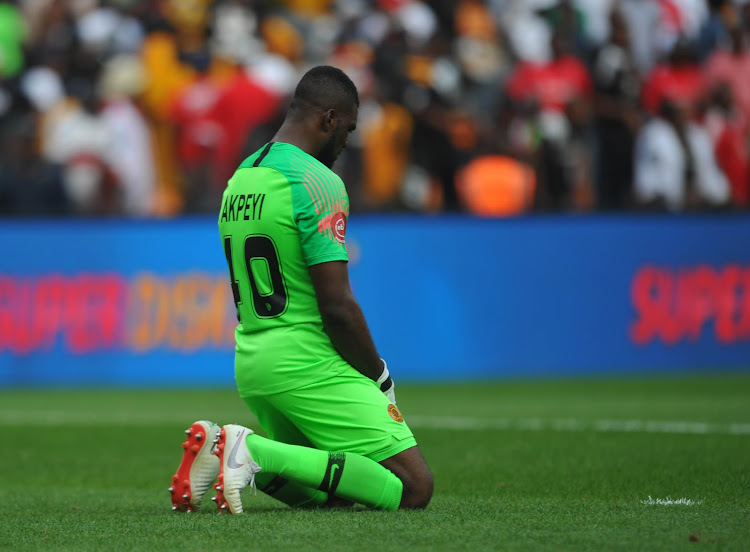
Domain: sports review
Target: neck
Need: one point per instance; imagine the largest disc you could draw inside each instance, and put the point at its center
(293, 134)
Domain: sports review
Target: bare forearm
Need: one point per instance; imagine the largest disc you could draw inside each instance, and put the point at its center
(343, 319)
(346, 327)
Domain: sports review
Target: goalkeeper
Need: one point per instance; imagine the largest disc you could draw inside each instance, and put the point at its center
(305, 363)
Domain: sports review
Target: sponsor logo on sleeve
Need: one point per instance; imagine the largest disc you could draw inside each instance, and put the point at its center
(338, 225)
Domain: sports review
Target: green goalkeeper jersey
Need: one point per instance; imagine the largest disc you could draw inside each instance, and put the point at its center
(282, 211)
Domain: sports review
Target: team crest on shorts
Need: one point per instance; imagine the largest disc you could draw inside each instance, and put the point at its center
(395, 413)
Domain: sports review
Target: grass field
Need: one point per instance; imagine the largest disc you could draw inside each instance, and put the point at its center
(566, 465)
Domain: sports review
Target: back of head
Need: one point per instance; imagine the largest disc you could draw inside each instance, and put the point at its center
(322, 88)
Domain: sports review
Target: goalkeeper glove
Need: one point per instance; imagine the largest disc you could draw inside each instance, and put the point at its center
(385, 382)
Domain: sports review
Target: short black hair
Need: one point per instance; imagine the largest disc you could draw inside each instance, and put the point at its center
(325, 87)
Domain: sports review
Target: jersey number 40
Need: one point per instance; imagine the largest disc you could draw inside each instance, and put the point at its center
(261, 263)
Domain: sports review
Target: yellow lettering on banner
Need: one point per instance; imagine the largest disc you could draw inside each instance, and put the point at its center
(185, 314)
(199, 309)
(179, 318)
(222, 305)
(191, 302)
(223, 314)
(148, 312)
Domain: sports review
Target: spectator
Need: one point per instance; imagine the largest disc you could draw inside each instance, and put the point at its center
(595, 15)
(553, 84)
(568, 21)
(675, 166)
(732, 66)
(679, 20)
(728, 130)
(13, 33)
(528, 34)
(234, 36)
(53, 35)
(166, 75)
(110, 31)
(28, 184)
(178, 41)
(198, 133)
(70, 135)
(642, 20)
(131, 153)
(246, 103)
(618, 115)
(562, 90)
(713, 32)
(679, 80)
(481, 53)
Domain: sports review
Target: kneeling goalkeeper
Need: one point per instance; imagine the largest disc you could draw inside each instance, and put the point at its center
(305, 363)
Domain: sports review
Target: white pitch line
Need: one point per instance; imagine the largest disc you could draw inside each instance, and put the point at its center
(444, 423)
(671, 502)
(604, 426)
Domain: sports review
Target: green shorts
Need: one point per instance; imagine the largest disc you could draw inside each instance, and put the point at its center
(346, 413)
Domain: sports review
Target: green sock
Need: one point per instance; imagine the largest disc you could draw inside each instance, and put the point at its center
(289, 492)
(342, 474)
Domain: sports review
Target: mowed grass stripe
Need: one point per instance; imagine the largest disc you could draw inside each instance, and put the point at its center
(416, 421)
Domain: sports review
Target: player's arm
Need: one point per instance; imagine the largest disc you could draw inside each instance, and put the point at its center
(344, 321)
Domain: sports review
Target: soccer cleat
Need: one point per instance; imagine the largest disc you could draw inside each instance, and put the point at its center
(198, 468)
(237, 468)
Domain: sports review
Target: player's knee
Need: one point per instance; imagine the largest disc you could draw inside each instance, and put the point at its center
(410, 467)
(417, 491)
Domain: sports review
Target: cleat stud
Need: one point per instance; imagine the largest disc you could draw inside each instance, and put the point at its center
(185, 445)
(186, 496)
(189, 510)
(171, 489)
(218, 488)
(174, 508)
(198, 436)
(223, 506)
(213, 498)
(187, 432)
(195, 448)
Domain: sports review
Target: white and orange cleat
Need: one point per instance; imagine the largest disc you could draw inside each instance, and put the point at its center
(237, 468)
(198, 469)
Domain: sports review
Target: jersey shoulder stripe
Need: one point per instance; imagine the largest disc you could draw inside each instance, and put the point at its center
(325, 187)
(262, 154)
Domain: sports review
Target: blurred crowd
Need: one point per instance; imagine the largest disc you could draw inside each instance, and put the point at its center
(493, 107)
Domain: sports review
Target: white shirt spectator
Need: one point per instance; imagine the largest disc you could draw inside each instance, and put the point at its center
(106, 31)
(596, 14)
(131, 156)
(660, 165)
(642, 18)
(529, 35)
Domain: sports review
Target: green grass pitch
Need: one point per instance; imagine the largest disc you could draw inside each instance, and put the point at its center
(548, 465)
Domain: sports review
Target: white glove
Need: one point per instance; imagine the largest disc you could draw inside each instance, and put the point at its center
(385, 382)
